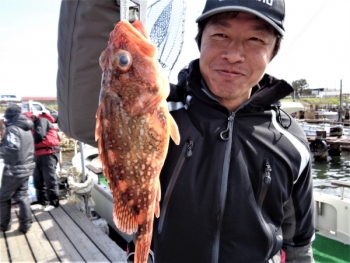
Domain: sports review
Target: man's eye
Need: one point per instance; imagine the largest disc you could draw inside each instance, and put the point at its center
(220, 35)
(256, 39)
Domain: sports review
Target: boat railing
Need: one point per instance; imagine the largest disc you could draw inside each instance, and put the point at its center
(343, 185)
(98, 171)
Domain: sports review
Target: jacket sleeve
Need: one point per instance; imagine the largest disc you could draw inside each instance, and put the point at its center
(2, 149)
(12, 146)
(298, 225)
(41, 127)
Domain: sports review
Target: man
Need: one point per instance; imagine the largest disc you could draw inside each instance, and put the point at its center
(46, 158)
(239, 187)
(17, 149)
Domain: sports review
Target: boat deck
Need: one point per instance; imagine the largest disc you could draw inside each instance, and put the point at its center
(63, 235)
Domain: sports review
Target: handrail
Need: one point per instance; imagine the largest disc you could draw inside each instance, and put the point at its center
(341, 184)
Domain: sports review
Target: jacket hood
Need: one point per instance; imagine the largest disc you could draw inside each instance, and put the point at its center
(21, 121)
(265, 94)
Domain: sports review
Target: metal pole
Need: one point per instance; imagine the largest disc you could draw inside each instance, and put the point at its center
(81, 146)
(124, 9)
(341, 111)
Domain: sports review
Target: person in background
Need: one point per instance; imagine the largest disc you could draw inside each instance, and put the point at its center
(2, 128)
(46, 158)
(238, 188)
(17, 150)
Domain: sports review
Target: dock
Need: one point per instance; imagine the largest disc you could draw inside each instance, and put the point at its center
(333, 140)
(324, 146)
(64, 234)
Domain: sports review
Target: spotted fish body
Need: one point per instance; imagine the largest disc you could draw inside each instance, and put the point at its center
(133, 125)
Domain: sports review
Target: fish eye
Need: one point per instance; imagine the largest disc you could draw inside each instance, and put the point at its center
(122, 60)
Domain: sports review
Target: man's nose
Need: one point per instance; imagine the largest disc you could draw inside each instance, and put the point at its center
(234, 52)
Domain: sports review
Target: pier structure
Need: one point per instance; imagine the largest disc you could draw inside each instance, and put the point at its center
(64, 234)
(328, 145)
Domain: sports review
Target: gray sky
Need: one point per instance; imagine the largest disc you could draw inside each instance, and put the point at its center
(315, 47)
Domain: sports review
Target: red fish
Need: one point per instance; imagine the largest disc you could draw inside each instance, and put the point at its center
(132, 128)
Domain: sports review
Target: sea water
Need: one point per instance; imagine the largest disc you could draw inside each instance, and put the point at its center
(335, 168)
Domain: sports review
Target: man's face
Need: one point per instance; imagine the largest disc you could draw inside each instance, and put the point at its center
(234, 55)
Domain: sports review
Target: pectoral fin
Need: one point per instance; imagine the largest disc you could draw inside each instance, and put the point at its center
(173, 129)
(157, 209)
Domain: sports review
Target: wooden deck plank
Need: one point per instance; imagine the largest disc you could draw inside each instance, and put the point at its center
(39, 244)
(3, 249)
(61, 235)
(107, 246)
(19, 250)
(61, 244)
(86, 248)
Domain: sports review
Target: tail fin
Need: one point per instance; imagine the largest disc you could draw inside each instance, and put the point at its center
(143, 245)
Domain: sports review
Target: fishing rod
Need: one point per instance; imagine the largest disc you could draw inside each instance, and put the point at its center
(141, 5)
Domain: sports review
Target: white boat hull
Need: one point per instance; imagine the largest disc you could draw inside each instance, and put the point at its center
(310, 129)
(104, 207)
(291, 107)
(329, 115)
(332, 217)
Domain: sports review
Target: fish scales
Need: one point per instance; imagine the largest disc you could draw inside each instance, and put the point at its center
(133, 125)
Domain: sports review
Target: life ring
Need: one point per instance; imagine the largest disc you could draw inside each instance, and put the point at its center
(318, 145)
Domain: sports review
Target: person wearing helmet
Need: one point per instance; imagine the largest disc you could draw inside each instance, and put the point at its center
(238, 188)
(17, 149)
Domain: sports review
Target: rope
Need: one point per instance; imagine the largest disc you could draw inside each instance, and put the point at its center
(78, 189)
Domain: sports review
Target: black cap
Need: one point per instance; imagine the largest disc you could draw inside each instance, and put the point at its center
(12, 111)
(272, 11)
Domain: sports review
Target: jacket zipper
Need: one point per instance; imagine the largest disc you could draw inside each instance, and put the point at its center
(264, 187)
(226, 136)
(185, 153)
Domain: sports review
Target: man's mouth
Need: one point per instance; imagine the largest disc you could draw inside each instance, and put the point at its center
(231, 72)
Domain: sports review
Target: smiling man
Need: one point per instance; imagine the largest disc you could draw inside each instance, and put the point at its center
(235, 50)
(238, 188)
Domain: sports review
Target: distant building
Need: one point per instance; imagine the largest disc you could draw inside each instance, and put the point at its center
(325, 92)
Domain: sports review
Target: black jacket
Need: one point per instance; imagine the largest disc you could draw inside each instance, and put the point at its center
(239, 185)
(18, 147)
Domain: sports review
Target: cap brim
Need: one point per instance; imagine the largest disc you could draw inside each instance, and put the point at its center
(240, 9)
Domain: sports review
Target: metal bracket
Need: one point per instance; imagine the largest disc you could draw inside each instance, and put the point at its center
(319, 207)
(141, 5)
